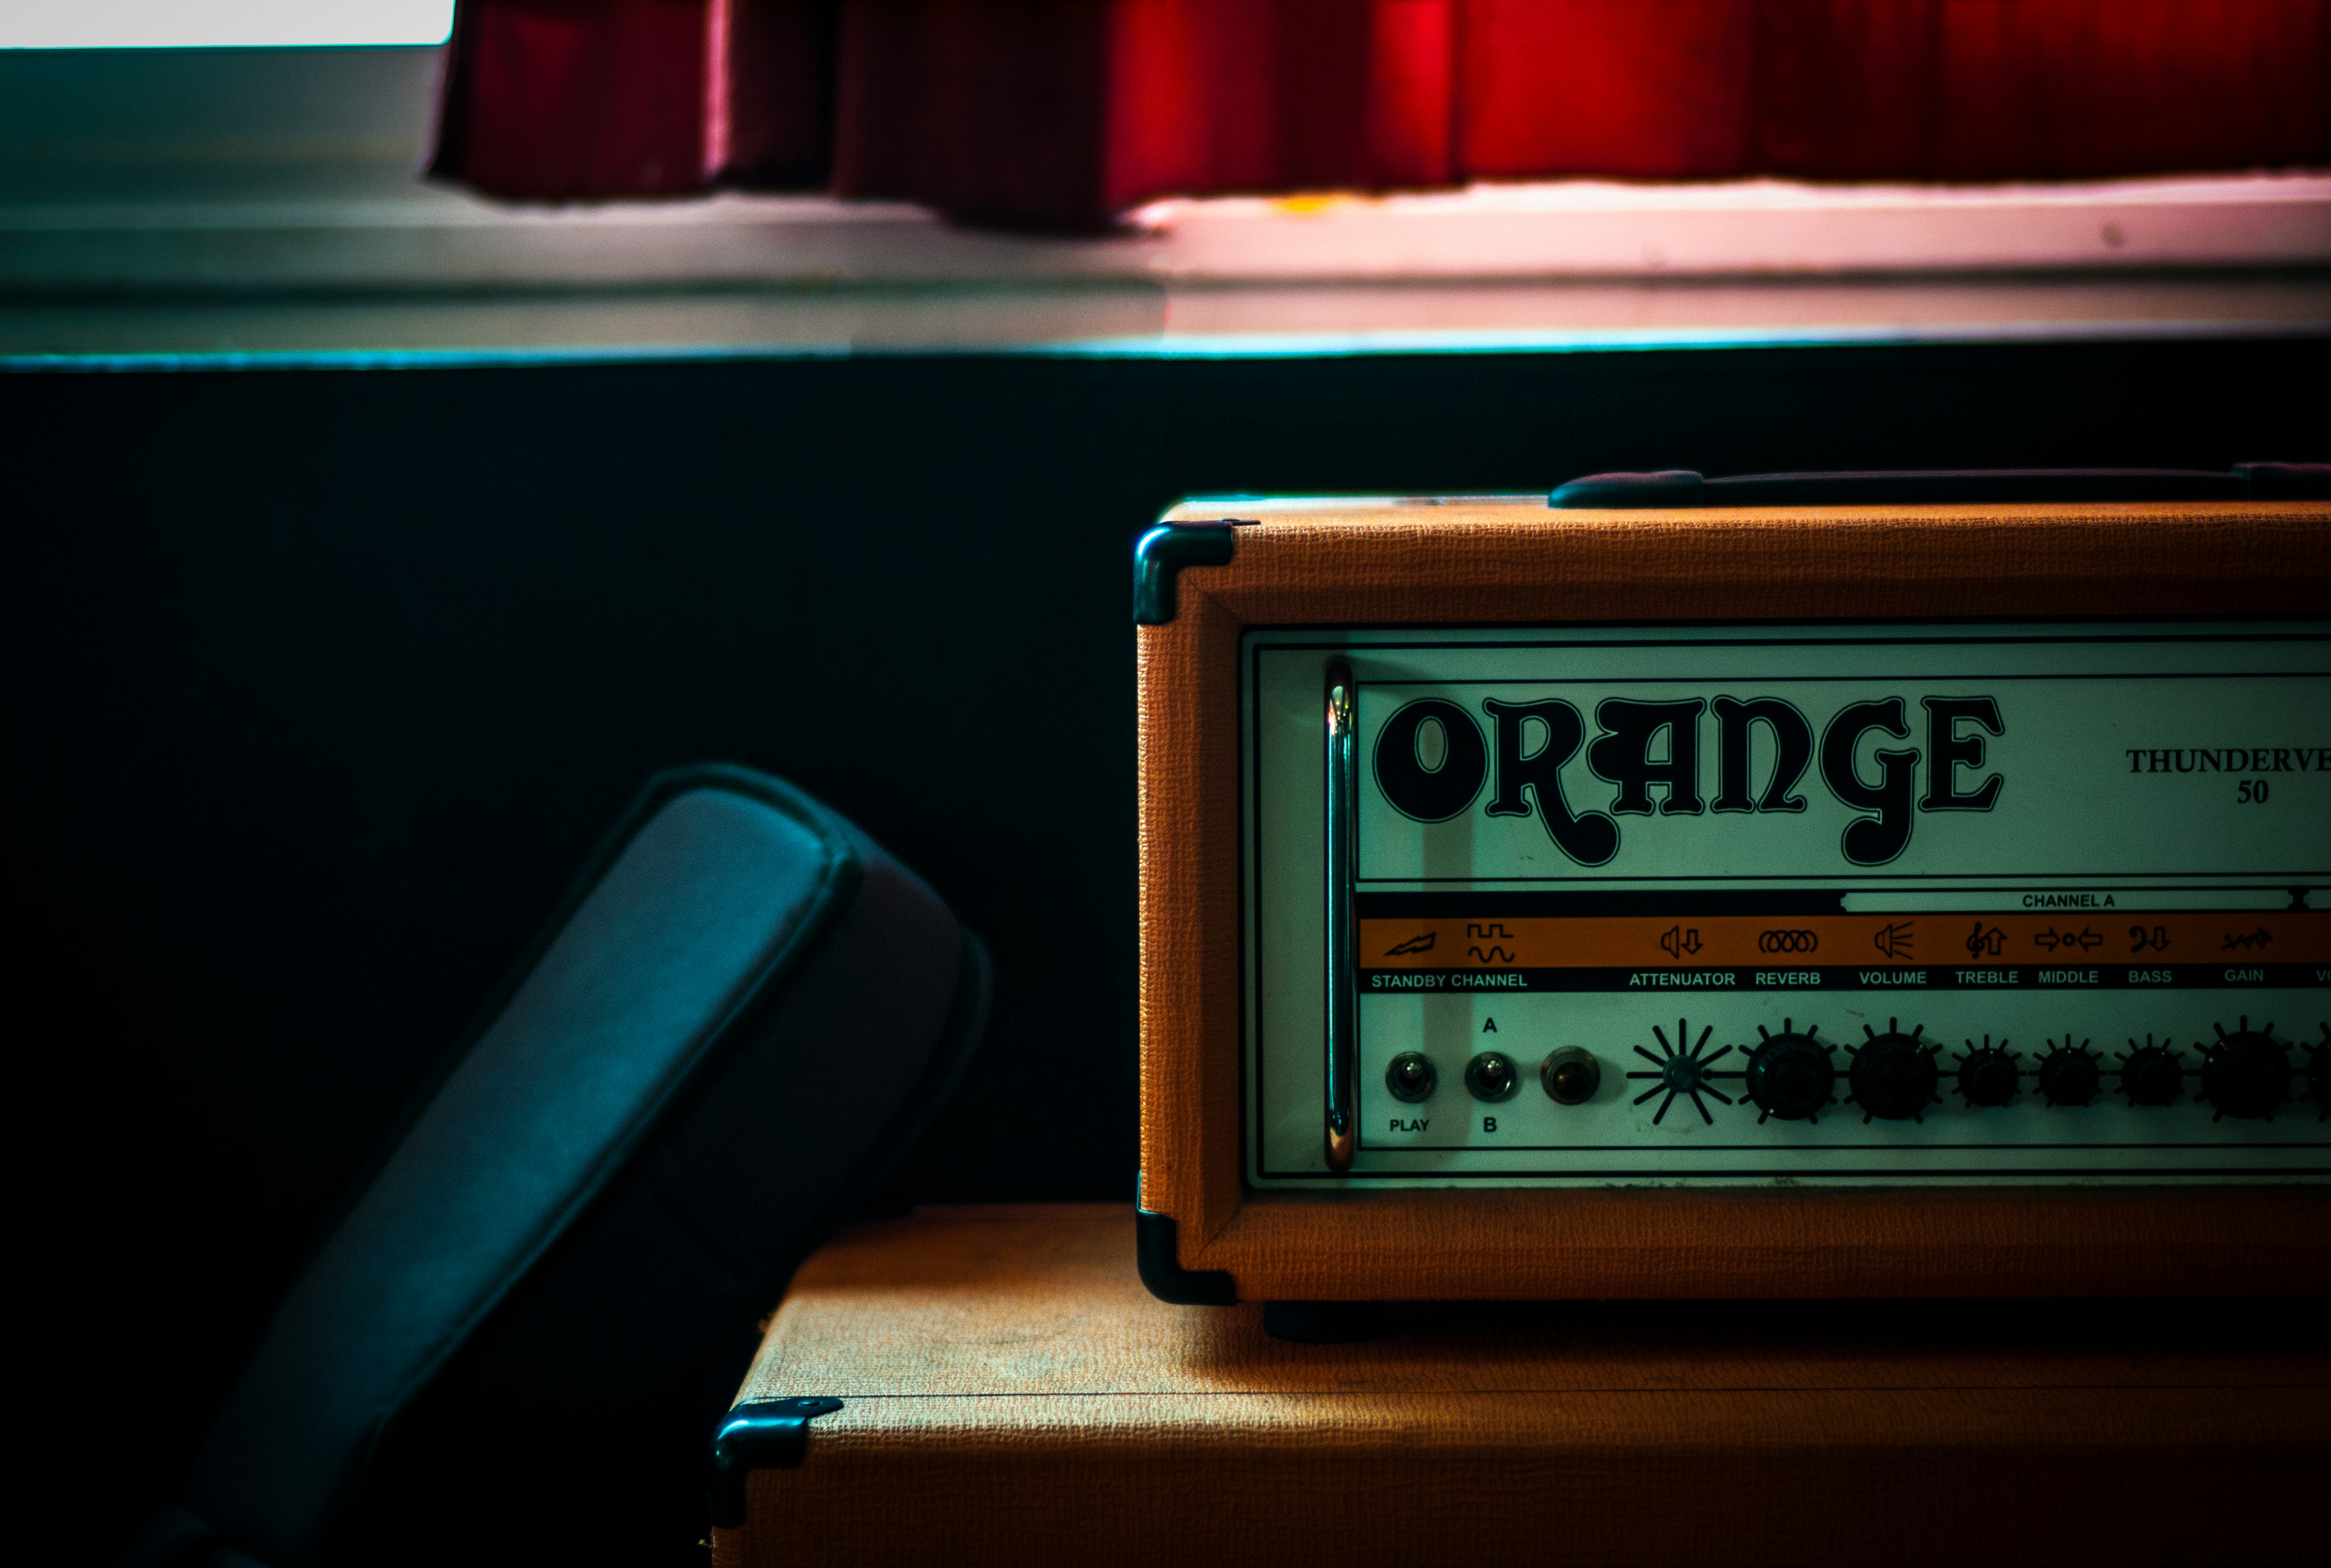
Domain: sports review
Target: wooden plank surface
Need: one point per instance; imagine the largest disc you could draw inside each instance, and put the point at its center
(1011, 1393)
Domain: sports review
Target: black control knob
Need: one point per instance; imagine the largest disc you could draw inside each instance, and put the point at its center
(1410, 1077)
(1989, 1074)
(2246, 1073)
(1682, 1069)
(2070, 1075)
(1791, 1075)
(1893, 1074)
(2319, 1075)
(1492, 1076)
(2150, 1074)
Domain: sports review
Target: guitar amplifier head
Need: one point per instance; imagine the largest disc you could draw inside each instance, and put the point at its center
(1884, 885)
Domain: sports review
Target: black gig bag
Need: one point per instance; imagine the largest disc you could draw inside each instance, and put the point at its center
(518, 1336)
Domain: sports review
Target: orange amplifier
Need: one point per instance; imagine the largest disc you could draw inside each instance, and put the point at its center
(1848, 885)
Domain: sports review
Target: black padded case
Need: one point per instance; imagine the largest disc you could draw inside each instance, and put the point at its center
(520, 1333)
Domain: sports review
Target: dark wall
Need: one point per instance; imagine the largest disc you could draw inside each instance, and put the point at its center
(321, 683)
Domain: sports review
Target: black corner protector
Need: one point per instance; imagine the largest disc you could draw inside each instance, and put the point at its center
(1159, 556)
(1161, 1266)
(761, 1434)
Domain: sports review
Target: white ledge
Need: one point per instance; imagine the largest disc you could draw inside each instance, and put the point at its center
(1151, 319)
(1753, 227)
(382, 231)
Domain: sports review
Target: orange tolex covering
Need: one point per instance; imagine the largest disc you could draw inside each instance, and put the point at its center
(1069, 112)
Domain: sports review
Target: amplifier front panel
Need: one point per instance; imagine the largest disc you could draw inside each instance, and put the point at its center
(1866, 905)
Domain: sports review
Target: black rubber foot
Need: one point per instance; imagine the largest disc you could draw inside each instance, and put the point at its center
(1323, 1322)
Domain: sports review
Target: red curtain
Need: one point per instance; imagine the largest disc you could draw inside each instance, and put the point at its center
(1069, 112)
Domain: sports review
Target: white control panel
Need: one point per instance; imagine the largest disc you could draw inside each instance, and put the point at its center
(1885, 905)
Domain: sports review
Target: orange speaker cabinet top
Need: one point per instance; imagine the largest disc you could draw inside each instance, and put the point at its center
(1927, 898)
(994, 1386)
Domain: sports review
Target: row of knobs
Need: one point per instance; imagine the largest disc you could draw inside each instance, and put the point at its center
(1792, 1075)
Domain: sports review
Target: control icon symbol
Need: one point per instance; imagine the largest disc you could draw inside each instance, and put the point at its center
(1893, 941)
(1677, 941)
(2052, 939)
(1421, 944)
(2140, 939)
(1985, 941)
(1495, 953)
